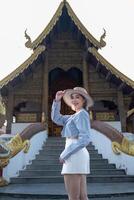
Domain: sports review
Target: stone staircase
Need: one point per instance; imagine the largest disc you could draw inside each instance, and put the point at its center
(42, 179)
(46, 167)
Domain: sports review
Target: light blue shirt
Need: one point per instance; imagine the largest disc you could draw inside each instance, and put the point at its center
(76, 125)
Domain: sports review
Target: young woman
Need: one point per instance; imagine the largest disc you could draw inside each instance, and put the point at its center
(76, 129)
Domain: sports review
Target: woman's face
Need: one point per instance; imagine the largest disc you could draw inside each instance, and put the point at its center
(77, 102)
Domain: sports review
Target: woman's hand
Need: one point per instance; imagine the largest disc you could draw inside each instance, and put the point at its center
(59, 95)
(61, 161)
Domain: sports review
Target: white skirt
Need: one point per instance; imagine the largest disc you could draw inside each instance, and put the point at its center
(77, 163)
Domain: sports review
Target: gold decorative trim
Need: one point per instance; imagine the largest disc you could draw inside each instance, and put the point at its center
(50, 26)
(81, 27)
(13, 147)
(130, 112)
(116, 147)
(6, 152)
(126, 147)
(39, 49)
(102, 42)
(23, 66)
(111, 68)
(28, 43)
(75, 19)
(2, 108)
(3, 182)
(16, 144)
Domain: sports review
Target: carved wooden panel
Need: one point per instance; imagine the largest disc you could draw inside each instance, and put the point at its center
(26, 117)
(105, 116)
(65, 52)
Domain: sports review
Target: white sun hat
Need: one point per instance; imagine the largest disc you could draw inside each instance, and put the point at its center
(78, 90)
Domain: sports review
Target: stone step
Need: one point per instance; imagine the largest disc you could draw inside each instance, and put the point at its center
(20, 197)
(57, 191)
(58, 150)
(56, 156)
(61, 144)
(96, 191)
(56, 139)
(36, 173)
(47, 169)
(59, 179)
(56, 161)
(60, 141)
(61, 147)
(59, 166)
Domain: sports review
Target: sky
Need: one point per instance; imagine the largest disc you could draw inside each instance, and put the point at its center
(116, 16)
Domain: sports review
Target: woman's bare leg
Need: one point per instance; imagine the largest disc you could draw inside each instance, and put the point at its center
(72, 185)
(83, 188)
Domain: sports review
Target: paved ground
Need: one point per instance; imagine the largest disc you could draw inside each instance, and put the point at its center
(110, 198)
(58, 188)
(96, 191)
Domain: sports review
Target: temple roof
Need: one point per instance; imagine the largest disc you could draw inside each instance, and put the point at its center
(22, 67)
(38, 48)
(111, 68)
(75, 19)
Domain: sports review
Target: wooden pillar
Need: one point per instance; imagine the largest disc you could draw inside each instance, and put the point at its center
(85, 75)
(45, 90)
(121, 108)
(9, 111)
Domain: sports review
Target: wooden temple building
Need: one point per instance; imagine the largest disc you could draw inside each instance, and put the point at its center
(66, 55)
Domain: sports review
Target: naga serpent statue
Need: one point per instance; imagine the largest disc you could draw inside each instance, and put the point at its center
(21, 142)
(16, 144)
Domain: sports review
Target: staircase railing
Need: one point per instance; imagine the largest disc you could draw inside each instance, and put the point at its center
(119, 144)
(13, 148)
(22, 159)
(104, 146)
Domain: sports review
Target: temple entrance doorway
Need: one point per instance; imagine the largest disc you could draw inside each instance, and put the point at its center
(61, 80)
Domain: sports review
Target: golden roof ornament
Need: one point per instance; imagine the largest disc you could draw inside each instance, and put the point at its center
(2, 112)
(130, 112)
(2, 107)
(102, 42)
(28, 43)
(38, 47)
